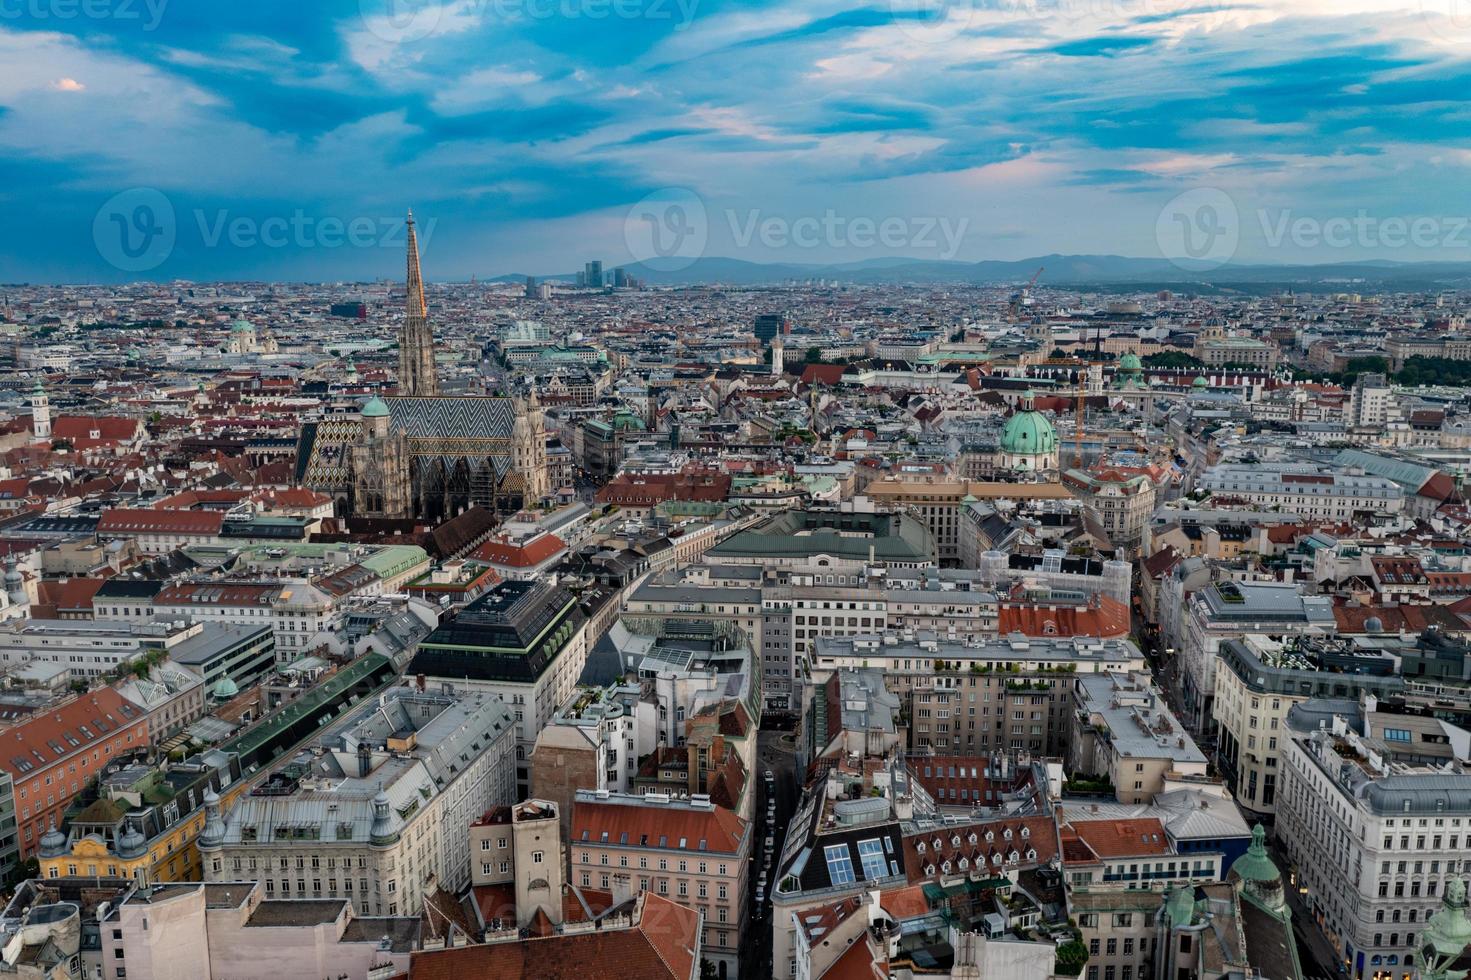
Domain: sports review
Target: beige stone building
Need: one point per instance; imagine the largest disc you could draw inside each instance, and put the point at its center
(687, 850)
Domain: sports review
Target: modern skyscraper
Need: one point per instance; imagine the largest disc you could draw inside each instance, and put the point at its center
(768, 325)
(592, 274)
(415, 340)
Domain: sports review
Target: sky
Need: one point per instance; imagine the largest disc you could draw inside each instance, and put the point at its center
(207, 140)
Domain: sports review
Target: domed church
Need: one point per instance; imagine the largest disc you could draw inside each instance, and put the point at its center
(1028, 441)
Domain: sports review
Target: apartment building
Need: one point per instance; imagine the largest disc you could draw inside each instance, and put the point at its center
(374, 806)
(142, 822)
(594, 742)
(1259, 680)
(1007, 694)
(1225, 610)
(1375, 815)
(523, 642)
(96, 648)
(1122, 729)
(52, 756)
(1311, 491)
(938, 504)
(687, 850)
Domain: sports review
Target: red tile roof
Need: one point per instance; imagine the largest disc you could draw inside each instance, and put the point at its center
(856, 964)
(1408, 617)
(822, 374)
(529, 555)
(662, 945)
(647, 489)
(73, 428)
(1107, 617)
(124, 521)
(1105, 839)
(954, 780)
(59, 595)
(1033, 833)
(47, 738)
(649, 824)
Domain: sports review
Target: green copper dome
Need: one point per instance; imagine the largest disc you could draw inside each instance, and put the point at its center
(1028, 432)
(225, 689)
(241, 326)
(1131, 362)
(1200, 382)
(1256, 864)
(376, 408)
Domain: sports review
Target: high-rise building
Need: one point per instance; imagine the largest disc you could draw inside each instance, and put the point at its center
(416, 375)
(768, 325)
(592, 274)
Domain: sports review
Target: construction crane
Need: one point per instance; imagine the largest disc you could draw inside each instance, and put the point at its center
(1078, 422)
(1022, 297)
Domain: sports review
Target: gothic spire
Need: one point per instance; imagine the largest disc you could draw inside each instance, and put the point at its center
(416, 307)
(416, 374)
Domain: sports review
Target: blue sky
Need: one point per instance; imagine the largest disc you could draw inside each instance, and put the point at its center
(526, 133)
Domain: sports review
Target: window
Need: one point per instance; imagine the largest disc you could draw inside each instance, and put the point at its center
(537, 857)
(839, 864)
(871, 853)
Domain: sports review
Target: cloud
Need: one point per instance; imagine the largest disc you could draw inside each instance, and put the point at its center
(1063, 119)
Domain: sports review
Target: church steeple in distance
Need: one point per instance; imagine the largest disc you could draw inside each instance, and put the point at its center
(416, 374)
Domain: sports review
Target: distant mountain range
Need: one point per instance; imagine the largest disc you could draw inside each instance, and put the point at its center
(1071, 270)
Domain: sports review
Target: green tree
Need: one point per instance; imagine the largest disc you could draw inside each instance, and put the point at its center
(1171, 359)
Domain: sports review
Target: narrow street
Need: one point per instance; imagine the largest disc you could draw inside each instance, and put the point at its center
(777, 753)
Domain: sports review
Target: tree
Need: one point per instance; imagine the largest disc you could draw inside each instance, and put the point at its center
(814, 355)
(1171, 359)
(1071, 956)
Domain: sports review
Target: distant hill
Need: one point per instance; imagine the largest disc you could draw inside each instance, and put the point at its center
(1059, 270)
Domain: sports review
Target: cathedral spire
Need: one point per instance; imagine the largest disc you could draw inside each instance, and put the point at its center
(415, 305)
(416, 375)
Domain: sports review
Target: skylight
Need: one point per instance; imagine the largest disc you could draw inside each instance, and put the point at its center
(839, 864)
(871, 853)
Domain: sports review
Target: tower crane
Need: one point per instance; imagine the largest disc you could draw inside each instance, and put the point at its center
(1022, 296)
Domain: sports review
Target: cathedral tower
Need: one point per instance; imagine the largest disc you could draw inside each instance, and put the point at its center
(529, 449)
(415, 340)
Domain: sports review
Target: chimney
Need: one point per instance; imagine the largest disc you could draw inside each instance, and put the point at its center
(365, 760)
